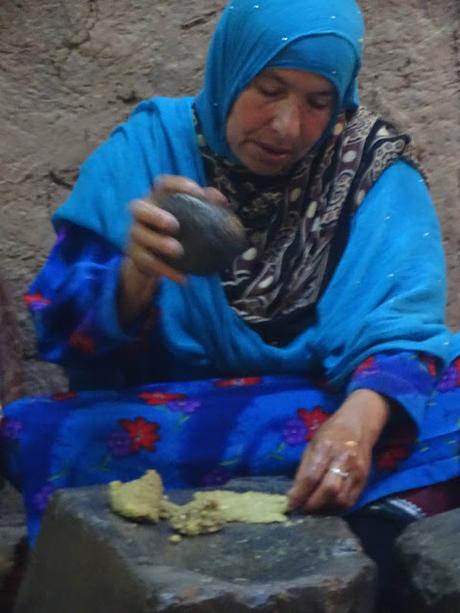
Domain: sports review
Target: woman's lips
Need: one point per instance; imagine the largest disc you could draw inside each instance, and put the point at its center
(273, 152)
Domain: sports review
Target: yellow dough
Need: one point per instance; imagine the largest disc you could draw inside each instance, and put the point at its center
(140, 499)
(249, 507)
(143, 500)
(167, 508)
(196, 517)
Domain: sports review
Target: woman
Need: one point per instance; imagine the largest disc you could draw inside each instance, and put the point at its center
(321, 349)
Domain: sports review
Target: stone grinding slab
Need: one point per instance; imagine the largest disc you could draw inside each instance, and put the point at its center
(88, 560)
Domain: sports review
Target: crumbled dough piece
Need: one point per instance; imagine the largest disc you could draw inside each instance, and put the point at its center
(197, 517)
(175, 539)
(248, 507)
(167, 508)
(138, 500)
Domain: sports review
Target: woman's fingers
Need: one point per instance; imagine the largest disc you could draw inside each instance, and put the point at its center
(152, 240)
(147, 213)
(329, 478)
(172, 183)
(214, 195)
(310, 473)
(151, 266)
(159, 244)
(338, 487)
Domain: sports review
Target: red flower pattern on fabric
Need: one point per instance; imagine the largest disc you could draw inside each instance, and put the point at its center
(366, 365)
(397, 448)
(457, 368)
(61, 396)
(430, 362)
(389, 459)
(82, 342)
(313, 420)
(143, 433)
(154, 398)
(36, 299)
(238, 382)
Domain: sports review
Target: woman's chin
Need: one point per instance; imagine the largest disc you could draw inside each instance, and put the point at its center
(268, 168)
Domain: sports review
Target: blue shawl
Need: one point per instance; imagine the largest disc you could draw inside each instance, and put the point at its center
(388, 291)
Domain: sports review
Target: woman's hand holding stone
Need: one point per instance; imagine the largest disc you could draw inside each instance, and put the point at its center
(152, 238)
(336, 464)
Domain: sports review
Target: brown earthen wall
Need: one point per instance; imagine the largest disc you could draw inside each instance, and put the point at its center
(70, 70)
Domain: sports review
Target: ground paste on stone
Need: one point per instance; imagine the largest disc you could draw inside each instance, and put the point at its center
(143, 500)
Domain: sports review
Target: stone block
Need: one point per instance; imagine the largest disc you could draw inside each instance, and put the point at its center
(88, 560)
(12, 544)
(428, 565)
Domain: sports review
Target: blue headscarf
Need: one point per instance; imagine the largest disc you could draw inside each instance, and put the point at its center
(320, 36)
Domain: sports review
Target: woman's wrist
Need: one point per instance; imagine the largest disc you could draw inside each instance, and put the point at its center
(370, 408)
(135, 292)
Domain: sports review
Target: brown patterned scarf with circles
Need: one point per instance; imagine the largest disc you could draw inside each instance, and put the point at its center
(294, 221)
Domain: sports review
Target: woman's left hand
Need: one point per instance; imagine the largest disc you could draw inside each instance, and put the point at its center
(336, 464)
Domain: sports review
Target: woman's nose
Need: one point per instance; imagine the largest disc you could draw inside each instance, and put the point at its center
(287, 120)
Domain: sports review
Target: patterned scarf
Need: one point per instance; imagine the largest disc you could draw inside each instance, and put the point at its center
(297, 223)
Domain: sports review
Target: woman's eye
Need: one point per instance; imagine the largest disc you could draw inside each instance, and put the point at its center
(320, 103)
(267, 90)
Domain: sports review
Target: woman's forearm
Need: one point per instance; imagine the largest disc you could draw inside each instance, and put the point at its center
(135, 292)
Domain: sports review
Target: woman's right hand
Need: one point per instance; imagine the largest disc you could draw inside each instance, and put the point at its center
(152, 238)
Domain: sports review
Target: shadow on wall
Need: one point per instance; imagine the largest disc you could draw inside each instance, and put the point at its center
(11, 360)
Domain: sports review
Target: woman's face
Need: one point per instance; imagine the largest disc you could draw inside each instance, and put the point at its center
(278, 118)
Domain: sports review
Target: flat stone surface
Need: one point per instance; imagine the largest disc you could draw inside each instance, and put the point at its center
(88, 560)
(12, 533)
(428, 561)
(12, 526)
(10, 536)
